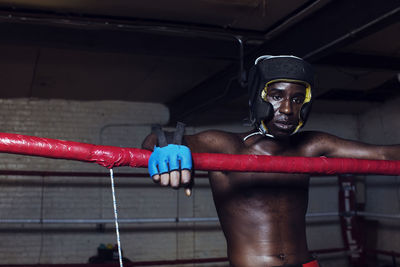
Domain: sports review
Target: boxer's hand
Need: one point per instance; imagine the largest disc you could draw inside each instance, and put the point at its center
(172, 165)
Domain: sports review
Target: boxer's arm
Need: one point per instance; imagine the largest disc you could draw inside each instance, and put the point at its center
(204, 142)
(332, 146)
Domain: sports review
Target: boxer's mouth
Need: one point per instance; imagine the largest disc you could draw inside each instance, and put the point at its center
(284, 125)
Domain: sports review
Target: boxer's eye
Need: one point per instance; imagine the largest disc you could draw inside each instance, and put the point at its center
(276, 97)
(298, 100)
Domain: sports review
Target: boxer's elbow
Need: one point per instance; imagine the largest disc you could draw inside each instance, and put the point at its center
(391, 152)
(149, 142)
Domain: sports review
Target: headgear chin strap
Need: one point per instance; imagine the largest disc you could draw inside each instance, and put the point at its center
(272, 69)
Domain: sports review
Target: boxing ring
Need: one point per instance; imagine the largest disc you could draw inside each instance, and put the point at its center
(111, 157)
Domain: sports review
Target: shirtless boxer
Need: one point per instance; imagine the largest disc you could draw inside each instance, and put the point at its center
(262, 215)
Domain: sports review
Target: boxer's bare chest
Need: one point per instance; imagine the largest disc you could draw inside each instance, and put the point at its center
(253, 184)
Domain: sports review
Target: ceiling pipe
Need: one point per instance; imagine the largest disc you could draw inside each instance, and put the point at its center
(117, 24)
(242, 75)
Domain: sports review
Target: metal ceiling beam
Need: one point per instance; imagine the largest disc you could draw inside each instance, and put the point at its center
(337, 24)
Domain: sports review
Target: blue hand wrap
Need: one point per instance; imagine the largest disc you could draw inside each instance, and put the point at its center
(166, 159)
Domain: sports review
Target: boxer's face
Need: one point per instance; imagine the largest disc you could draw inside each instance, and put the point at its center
(287, 99)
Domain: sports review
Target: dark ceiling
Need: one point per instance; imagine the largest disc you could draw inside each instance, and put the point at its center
(192, 55)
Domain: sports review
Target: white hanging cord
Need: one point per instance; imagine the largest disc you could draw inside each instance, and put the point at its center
(116, 218)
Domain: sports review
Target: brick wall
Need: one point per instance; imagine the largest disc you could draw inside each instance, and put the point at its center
(23, 197)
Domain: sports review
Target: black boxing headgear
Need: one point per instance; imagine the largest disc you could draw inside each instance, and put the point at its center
(271, 69)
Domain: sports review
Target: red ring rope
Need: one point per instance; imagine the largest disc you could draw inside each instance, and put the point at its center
(110, 156)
